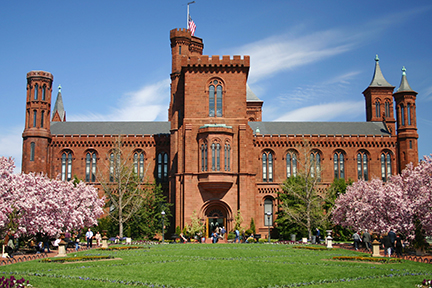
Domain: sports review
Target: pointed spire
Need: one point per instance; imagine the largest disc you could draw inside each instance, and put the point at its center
(404, 86)
(58, 107)
(378, 79)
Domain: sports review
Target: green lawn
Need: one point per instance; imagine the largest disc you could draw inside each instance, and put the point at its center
(221, 265)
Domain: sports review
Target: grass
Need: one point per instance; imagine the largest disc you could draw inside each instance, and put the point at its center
(221, 265)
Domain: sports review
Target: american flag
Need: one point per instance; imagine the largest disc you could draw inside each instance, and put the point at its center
(192, 26)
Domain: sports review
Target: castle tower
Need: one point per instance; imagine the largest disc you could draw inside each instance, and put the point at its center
(407, 135)
(379, 100)
(37, 134)
(59, 114)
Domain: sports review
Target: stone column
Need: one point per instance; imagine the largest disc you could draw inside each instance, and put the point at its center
(376, 249)
(329, 239)
(62, 247)
(104, 240)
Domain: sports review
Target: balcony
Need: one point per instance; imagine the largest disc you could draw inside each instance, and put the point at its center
(216, 182)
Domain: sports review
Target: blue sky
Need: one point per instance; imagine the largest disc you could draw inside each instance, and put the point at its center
(310, 60)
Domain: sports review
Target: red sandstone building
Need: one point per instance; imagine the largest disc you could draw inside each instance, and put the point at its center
(215, 155)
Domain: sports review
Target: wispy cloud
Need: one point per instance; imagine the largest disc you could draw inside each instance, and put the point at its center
(146, 104)
(325, 112)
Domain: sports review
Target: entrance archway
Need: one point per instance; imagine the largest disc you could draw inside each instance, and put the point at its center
(217, 215)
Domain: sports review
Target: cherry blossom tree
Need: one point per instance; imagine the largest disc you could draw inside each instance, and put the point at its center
(33, 204)
(404, 203)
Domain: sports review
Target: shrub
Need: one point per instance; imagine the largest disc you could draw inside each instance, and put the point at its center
(231, 235)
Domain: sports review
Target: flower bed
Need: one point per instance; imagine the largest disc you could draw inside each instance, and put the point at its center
(12, 282)
(122, 248)
(368, 259)
(312, 248)
(425, 284)
(75, 259)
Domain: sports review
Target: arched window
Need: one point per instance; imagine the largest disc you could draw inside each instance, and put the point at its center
(291, 164)
(339, 165)
(409, 113)
(215, 98)
(362, 166)
(385, 166)
(34, 118)
(162, 167)
(139, 164)
(227, 155)
(402, 115)
(36, 87)
(268, 207)
(216, 147)
(43, 92)
(377, 109)
(66, 166)
(204, 161)
(315, 162)
(90, 167)
(32, 151)
(112, 165)
(267, 166)
(387, 109)
(42, 118)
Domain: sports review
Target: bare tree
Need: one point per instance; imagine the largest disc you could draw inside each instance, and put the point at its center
(301, 201)
(124, 185)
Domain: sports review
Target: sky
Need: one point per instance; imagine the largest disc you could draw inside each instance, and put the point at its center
(310, 60)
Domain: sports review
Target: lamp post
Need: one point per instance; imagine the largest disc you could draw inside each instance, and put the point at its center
(163, 226)
(269, 214)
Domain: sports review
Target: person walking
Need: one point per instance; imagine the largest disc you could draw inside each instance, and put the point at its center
(392, 236)
(387, 245)
(76, 240)
(356, 237)
(89, 238)
(237, 236)
(98, 238)
(398, 245)
(318, 233)
(367, 240)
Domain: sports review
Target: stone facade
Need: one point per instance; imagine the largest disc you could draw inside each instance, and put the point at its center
(215, 155)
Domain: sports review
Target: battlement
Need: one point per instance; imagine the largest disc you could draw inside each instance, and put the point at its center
(215, 60)
(180, 32)
(38, 73)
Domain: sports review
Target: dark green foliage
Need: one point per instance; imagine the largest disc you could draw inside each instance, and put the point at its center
(252, 226)
(148, 219)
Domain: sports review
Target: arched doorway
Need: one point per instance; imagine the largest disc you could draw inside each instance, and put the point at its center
(217, 214)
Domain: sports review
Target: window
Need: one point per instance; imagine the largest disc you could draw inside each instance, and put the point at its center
(216, 147)
(66, 166)
(32, 151)
(387, 109)
(43, 92)
(215, 99)
(339, 163)
(139, 164)
(36, 87)
(204, 157)
(362, 166)
(42, 119)
(409, 113)
(90, 171)
(315, 162)
(162, 167)
(402, 115)
(377, 109)
(291, 164)
(112, 166)
(34, 118)
(385, 166)
(267, 166)
(268, 207)
(227, 154)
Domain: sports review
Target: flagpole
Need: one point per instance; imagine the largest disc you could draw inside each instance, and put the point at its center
(187, 17)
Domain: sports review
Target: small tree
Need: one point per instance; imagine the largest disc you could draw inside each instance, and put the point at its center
(301, 202)
(238, 220)
(252, 226)
(127, 191)
(195, 227)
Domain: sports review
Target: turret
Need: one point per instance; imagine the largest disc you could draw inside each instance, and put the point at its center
(379, 100)
(37, 134)
(407, 135)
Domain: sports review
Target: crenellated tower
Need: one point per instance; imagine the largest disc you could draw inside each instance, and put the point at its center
(37, 134)
(379, 100)
(407, 134)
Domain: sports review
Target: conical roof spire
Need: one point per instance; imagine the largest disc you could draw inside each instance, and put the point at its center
(378, 79)
(404, 86)
(58, 107)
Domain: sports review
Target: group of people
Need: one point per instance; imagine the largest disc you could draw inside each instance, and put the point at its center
(11, 242)
(218, 233)
(391, 242)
